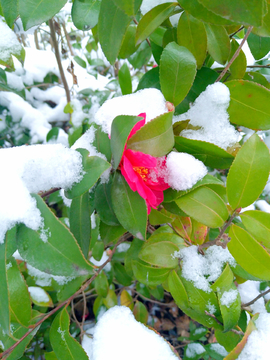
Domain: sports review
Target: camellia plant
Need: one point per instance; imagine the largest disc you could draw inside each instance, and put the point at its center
(145, 190)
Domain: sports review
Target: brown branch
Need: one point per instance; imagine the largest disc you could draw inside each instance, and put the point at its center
(171, 304)
(256, 298)
(58, 58)
(58, 307)
(36, 39)
(259, 66)
(49, 192)
(235, 54)
(220, 323)
(67, 38)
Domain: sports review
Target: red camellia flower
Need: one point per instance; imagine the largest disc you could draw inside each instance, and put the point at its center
(144, 173)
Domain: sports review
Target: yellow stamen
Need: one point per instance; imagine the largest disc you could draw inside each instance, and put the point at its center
(142, 171)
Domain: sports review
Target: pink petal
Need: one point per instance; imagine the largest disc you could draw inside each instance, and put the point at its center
(140, 159)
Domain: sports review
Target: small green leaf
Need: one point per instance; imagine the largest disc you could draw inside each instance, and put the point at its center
(80, 61)
(153, 19)
(128, 45)
(249, 253)
(177, 72)
(110, 234)
(257, 224)
(259, 46)
(130, 7)
(121, 275)
(141, 57)
(209, 154)
(102, 285)
(160, 254)
(80, 223)
(140, 312)
(129, 207)
(85, 13)
(39, 296)
(249, 105)
(178, 290)
(191, 34)
(149, 275)
(121, 128)
(155, 137)
(125, 79)
(112, 26)
(4, 303)
(93, 168)
(150, 80)
(102, 143)
(98, 250)
(61, 255)
(249, 173)
(36, 12)
(53, 133)
(218, 41)
(126, 300)
(10, 11)
(103, 204)
(63, 344)
(205, 206)
(238, 67)
(111, 299)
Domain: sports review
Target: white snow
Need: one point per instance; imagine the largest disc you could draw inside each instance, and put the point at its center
(184, 170)
(228, 297)
(249, 290)
(263, 205)
(104, 258)
(44, 279)
(118, 335)
(148, 5)
(219, 349)
(38, 294)
(209, 112)
(30, 169)
(9, 43)
(149, 101)
(194, 349)
(203, 269)
(14, 81)
(257, 346)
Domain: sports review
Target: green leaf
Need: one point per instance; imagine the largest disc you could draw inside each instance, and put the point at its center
(150, 80)
(155, 137)
(126, 299)
(61, 255)
(191, 34)
(140, 312)
(10, 10)
(244, 12)
(129, 207)
(17, 289)
(37, 300)
(257, 78)
(130, 7)
(103, 204)
(68, 289)
(156, 217)
(218, 41)
(35, 13)
(160, 254)
(102, 285)
(249, 253)
(178, 290)
(257, 224)
(249, 105)
(196, 9)
(110, 234)
(93, 167)
(4, 303)
(50, 356)
(141, 56)
(121, 128)
(53, 134)
(111, 299)
(238, 67)
(98, 250)
(80, 61)
(125, 79)
(80, 223)
(102, 143)
(85, 13)
(152, 20)
(177, 72)
(205, 206)
(249, 173)
(121, 275)
(132, 254)
(128, 44)
(112, 26)
(149, 275)
(63, 344)
(259, 46)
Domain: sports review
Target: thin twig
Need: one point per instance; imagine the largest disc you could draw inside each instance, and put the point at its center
(171, 304)
(220, 323)
(259, 66)
(67, 38)
(256, 298)
(237, 31)
(58, 307)
(235, 54)
(49, 192)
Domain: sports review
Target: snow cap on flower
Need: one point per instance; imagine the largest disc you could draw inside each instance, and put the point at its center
(183, 170)
(149, 101)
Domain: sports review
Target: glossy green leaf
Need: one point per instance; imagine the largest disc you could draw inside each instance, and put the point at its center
(249, 105)
(151, 20)
(17, 289)
(11, 242)
(249, 173)
(121, 128)
(102, 143)
(259, 46)
(103, 204)
(263, 30)
(61, 254)
(53, 134)
(182, 225)
(196, 9)
(249, 253)
(178, 290)
(224, 281)
(191, 34)
(80, 61)
(63, 344)
(80, 223)
(4, 303)
(36, 12)
(257, 224)
(102, 285)
(50, 356)
(129, 207)
(110, 300)
(85, 13)
(160, 254)
(132, 254)
(177, 72)
(141, 57)
(125, 79)
(238, 67)
(149, 275)
(93, 168)
(205, 206)
(218, 41)
(156, 217)
(150, 80)
(209, 154)
(257, 78)
(112, 26)
(98, 250)
(121, 275)
(128, 46)
(110, 234)
(199, 232)
(140, 312)
(155, 137)
(42, 298)
(10, 10)
(244, 12)
(126, 299)
(130, 7)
